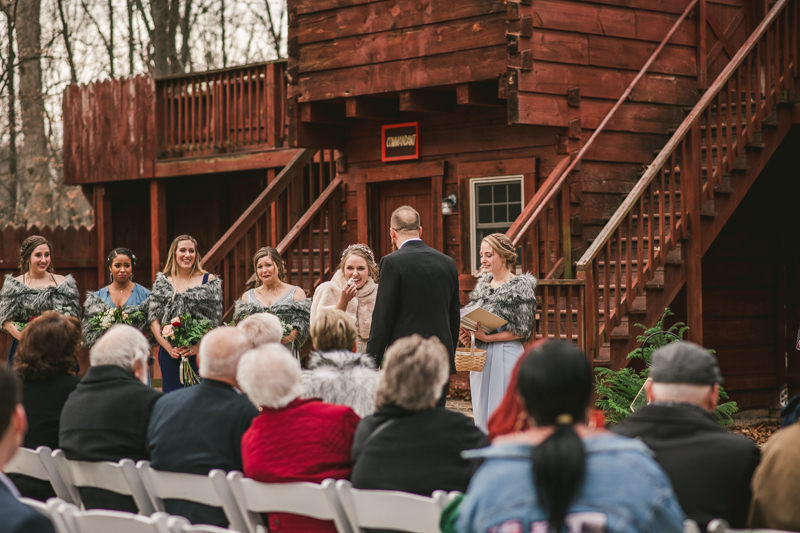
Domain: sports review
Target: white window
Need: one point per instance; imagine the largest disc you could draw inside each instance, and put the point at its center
(495, 203)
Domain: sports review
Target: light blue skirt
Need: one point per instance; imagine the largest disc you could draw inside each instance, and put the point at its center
(488, 387)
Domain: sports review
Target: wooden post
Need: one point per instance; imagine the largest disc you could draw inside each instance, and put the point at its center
(102, 222)
(702, 42)
(694, 244)
(566, 233)
(158, 226)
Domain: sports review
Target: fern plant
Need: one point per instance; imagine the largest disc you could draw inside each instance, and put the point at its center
(618, 389)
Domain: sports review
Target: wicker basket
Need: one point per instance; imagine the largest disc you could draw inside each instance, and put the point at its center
(470, 358)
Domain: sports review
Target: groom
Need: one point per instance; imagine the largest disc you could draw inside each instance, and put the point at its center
(418, 291)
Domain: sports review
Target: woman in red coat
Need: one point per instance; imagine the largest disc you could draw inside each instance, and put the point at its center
(292, 439)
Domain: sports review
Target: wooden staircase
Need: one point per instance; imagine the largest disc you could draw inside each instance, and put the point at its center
(653, 244)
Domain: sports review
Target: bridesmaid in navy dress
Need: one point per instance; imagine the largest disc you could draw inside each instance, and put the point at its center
(183, 287)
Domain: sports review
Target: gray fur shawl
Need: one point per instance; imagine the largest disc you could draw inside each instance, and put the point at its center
(514, 301)
(94, 304)
(202, 302)
(20, 302)
(297, 314)
(343, 378)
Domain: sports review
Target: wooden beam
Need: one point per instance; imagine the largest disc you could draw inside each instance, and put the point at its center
(310, 135)
(372, 108)
(478, 94)
(158, 226)
(322, 113)
(102, 223)
(223, 163)
(427, 102)
(405, 171)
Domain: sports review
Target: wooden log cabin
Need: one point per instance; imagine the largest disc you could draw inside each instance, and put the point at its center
(617, 142)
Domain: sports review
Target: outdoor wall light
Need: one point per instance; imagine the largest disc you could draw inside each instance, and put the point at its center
(448, 204)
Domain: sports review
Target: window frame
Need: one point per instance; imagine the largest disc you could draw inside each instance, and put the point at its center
(473, 206)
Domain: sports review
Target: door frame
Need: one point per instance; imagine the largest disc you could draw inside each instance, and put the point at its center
(367, 178)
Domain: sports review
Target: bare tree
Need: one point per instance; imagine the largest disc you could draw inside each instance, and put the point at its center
(9, 206)
(67, 45)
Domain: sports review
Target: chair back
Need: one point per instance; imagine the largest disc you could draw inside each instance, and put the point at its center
(39, 464)
(305, 499)
(121, 477)
(212, 490)
(96, 521)
(387, 509)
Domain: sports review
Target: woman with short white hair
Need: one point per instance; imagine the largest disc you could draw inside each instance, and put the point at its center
(409, 444)
(261, 328)
(292, 439)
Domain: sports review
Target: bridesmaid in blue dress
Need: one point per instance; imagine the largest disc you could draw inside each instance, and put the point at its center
(272, 294)
(512, 298)
(183, 287)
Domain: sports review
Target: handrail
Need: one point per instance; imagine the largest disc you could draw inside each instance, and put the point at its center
(652, 170)
(306, 219)
(537, 204)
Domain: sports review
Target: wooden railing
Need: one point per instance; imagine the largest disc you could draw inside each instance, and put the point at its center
(670, 195)
(546, 219)
(561, 311)
(221, 111)
(294, 210)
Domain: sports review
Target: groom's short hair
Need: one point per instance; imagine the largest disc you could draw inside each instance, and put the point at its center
(405, 219)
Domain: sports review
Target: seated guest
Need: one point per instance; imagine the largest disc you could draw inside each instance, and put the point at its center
(409, 444)
(776, 483)
(292, 439)
(45, 360)
(261, 328)
(709, 467)
(335, 374)
(106, 417)
(198, 429)
(15, 516)
(560, 472)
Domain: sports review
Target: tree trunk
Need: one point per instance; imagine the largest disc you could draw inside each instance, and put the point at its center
(9, 189)
(160, 36)
(35, 192)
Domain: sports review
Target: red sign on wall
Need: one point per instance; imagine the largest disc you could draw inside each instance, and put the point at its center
(400, 141)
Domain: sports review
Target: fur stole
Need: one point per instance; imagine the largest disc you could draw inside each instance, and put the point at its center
(360, 308)
(202, 302)
(343, 378)
(94, 304)
(296, 314)
(20, 302)
(514, 301)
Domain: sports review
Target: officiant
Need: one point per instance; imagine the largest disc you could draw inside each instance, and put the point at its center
(511, 297)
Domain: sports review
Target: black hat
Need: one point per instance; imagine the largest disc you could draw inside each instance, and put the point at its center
(684, 362)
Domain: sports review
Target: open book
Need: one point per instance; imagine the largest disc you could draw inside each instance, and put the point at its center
(472, 314)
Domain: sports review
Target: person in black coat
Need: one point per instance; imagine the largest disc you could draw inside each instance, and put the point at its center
(408, 445)
(106, 417)
(709, 467)
(198, 429)
(418, 291)
(15, 516)
(45, 359)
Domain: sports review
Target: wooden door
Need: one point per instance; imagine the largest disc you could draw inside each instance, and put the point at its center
(393, 194)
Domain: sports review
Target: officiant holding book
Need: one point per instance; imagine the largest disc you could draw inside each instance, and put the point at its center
(512, 298)
(418, 291)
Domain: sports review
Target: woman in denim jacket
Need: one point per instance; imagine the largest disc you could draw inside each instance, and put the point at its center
(562, 475)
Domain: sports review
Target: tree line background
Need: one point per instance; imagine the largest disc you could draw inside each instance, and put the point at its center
(47, 44)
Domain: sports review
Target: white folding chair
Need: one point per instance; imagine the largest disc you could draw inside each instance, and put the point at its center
(47, 509)
(39, 464)
(179, 524)
(120, 477)
(719, 525)
(388, 509)
(95, 521)
(305, 499)
(211, 490)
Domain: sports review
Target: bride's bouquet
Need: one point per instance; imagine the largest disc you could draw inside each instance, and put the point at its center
(105, 319)
(183, 331)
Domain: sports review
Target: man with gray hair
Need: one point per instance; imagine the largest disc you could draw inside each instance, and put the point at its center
(198, 429)
(710, 468)
(106, 416)
(262, 328)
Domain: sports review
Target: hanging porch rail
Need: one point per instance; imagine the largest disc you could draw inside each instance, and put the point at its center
(221, 110)
(670, 194)
(286, 208)
(546, 218)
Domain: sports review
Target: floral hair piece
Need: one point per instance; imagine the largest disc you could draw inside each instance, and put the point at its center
(361, 247)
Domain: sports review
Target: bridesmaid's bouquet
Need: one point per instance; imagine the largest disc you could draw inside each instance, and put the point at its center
(20, 325)
(105, 319)
(183, 331)
(287, 328)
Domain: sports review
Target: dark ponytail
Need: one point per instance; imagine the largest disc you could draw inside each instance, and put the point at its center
(555, 382)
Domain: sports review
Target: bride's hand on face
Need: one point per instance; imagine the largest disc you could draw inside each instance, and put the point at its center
(348, 293)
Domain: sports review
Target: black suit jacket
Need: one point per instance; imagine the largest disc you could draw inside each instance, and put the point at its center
(418, 293)
(16, 517)
(709, 467)
(196, 430)
(105, 419)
